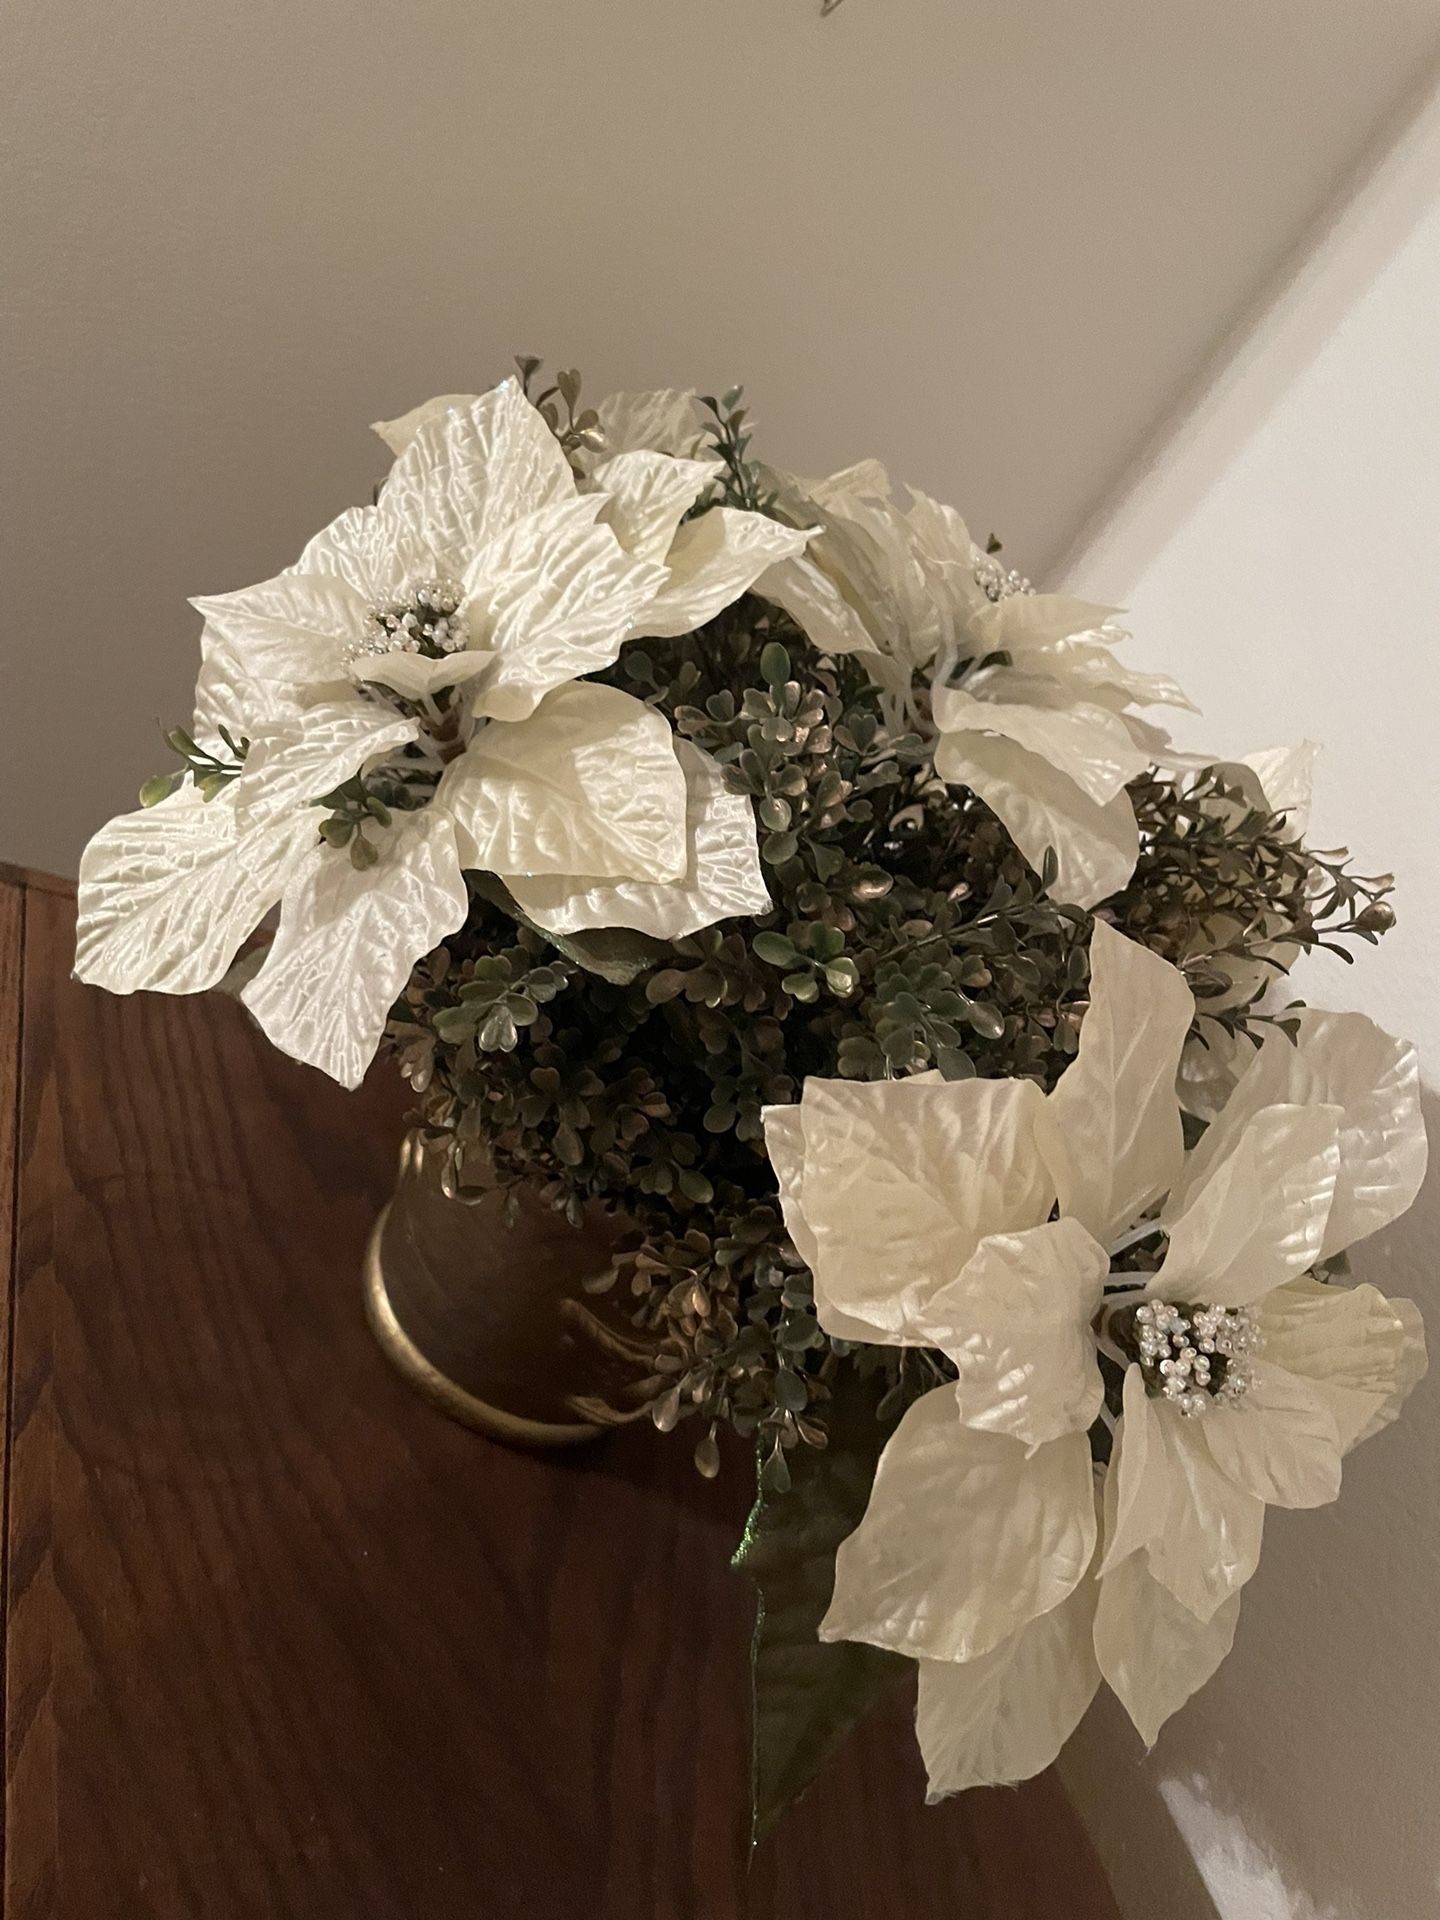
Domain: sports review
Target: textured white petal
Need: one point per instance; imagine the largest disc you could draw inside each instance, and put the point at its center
(785, 1144)
(665, 420)
(552, 598)
(228, 694)
(347, 941)
(816, 605)
(722, 879)
(399, 432)
(1154, 1652)
(470, 472)
(1022, 622)
(1112, 1124)
(1343, 1060)
(712, 561)
(1039, 807)
(1287, 778)
(1086, 742)
(292, 632)
(903, 1180)
(1280, 1442)
(1016, 1323)
(647, 495)
(375, 551)
(1357, 1352)
(297, 762)
(1207, 1544)
(965, 1539)
(168, 894)
(1137, 1482)
(414, 675)
(1005, 1716)
(1090, 669)
(588, 784)
(1257, 1217)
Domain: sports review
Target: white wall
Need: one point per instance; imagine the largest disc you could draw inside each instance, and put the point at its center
(1282, 558)
(984, 239)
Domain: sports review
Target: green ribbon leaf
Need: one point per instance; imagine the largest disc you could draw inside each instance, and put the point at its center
(808, 1693)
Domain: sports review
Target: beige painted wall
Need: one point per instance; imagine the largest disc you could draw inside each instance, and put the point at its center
(1280, 557)
(988, 240)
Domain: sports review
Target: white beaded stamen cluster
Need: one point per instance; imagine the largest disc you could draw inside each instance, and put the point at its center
(997, 582)
(1196, 1355)
(430, 622)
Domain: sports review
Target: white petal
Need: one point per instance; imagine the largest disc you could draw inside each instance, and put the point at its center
(1208, 1544)
(375, 551)
(228, 694)
(665, 420)
(399, 432)
(1086, 742)
(1358, 1353)
(722, 878)
(816, 605)
(1256, 1218)
(1112, 1124)
(1137, 1482)
(1287, 779)
(1343, 1060)
(1022, 622)
(1005, 1717)
(647, 495)
(291, 632)
(347, 941)
(1154, 1652)
(294, 763)
(903, 1179)
(1016, 1323)
(471, 472)
(1088, 665)
(785, 1144)
(1096, 846)
(588, 784)
(712, 561)
(1280, 1442)
(414, 675)
(552, 598)
(965, 1539)
(168, 894)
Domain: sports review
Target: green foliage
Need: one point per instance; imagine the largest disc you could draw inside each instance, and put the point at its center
(210, 770)
(905, 934)
(809, 1693)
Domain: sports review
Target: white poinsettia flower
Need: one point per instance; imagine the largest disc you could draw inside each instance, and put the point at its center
(652, 468)
(924, 1210)
(436, 644)
(1032, 711)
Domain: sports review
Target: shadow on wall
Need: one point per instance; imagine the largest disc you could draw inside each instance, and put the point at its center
(1214, 1822)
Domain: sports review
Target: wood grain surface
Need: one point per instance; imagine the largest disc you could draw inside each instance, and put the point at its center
(283, 1644)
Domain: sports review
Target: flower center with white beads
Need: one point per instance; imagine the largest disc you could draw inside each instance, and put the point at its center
(1194, 1355)
(428, 622)
(997, 582)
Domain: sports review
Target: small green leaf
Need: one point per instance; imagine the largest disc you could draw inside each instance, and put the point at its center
(160, 788)
(774, 948)
(775, 664)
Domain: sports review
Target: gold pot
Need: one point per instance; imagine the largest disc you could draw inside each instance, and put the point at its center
(489, 1318)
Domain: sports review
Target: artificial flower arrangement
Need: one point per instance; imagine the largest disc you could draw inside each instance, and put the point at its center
(765, 861)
